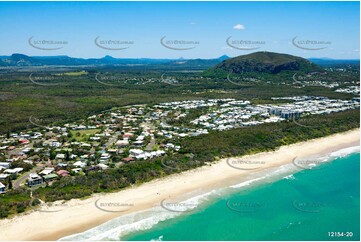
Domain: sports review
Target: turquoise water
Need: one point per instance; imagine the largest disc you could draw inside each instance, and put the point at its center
(306, 206)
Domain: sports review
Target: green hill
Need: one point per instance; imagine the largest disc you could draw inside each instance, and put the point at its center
(264, 62)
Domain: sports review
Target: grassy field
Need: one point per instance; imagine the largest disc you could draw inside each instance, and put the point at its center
(74, 73)
(83, 135)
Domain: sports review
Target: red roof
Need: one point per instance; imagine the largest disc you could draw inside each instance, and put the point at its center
(62, 172)
(24, 141)
(128, 159)
(128, 135)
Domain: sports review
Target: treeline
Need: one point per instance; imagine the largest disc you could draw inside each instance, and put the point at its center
(266, 137)
(195, 152)
(76, 97)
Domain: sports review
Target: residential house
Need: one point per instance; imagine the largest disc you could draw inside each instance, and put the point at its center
(4, 176)
(79, 164)
(128, 159)
(122, 143)
(47, 171)
(2, 188)
(14, 171)
(63, 173)
(50, 177)
(34, 179)
(103, 166)
(5, 164)
(60, 156)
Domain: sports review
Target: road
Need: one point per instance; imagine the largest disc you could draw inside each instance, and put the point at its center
(150, 145)
(112, 140)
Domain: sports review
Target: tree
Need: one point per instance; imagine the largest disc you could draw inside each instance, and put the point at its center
(10, 184)
(52, 154)
(67, 155)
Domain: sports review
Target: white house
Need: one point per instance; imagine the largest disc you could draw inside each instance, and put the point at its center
(102, 166)
(34, 179)
(135, 152)
(4, 176)
(60, 156)
(79, 164)
(47, 171)
(5, 164)
(122, 143)
(2, 188)
(14, 171)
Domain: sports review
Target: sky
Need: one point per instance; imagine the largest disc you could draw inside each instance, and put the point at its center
(150, 29)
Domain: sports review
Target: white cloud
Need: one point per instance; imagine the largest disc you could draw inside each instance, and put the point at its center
(239, 26)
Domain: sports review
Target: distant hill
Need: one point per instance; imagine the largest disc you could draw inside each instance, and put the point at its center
(264, 62)
(199, 62)
(24, 60)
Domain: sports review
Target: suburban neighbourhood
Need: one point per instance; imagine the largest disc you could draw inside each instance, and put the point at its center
(37, 157)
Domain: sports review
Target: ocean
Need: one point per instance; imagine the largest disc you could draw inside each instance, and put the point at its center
(322, 203)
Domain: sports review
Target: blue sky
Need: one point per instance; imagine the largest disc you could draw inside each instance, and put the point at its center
(272, 24)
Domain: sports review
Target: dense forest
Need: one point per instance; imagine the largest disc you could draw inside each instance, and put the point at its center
(57, 97)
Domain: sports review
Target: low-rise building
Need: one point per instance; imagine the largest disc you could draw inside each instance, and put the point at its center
(50, 177)
(34, 179)
(2, 188)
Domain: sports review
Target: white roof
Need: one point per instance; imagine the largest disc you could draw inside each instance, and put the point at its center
(47, 171)
(15, 170)
(5, 164)
(60, 156)
(136, 151)
(18, 169)
(4, 175)
(103, 166)
(79, 163)
(33, 175)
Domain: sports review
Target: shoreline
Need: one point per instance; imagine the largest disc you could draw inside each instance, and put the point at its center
(79, 215)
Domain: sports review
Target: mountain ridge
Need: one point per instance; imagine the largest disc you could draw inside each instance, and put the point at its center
(18, 59)
(264, 62)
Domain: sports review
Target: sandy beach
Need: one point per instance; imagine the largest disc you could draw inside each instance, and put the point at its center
(52, 223)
